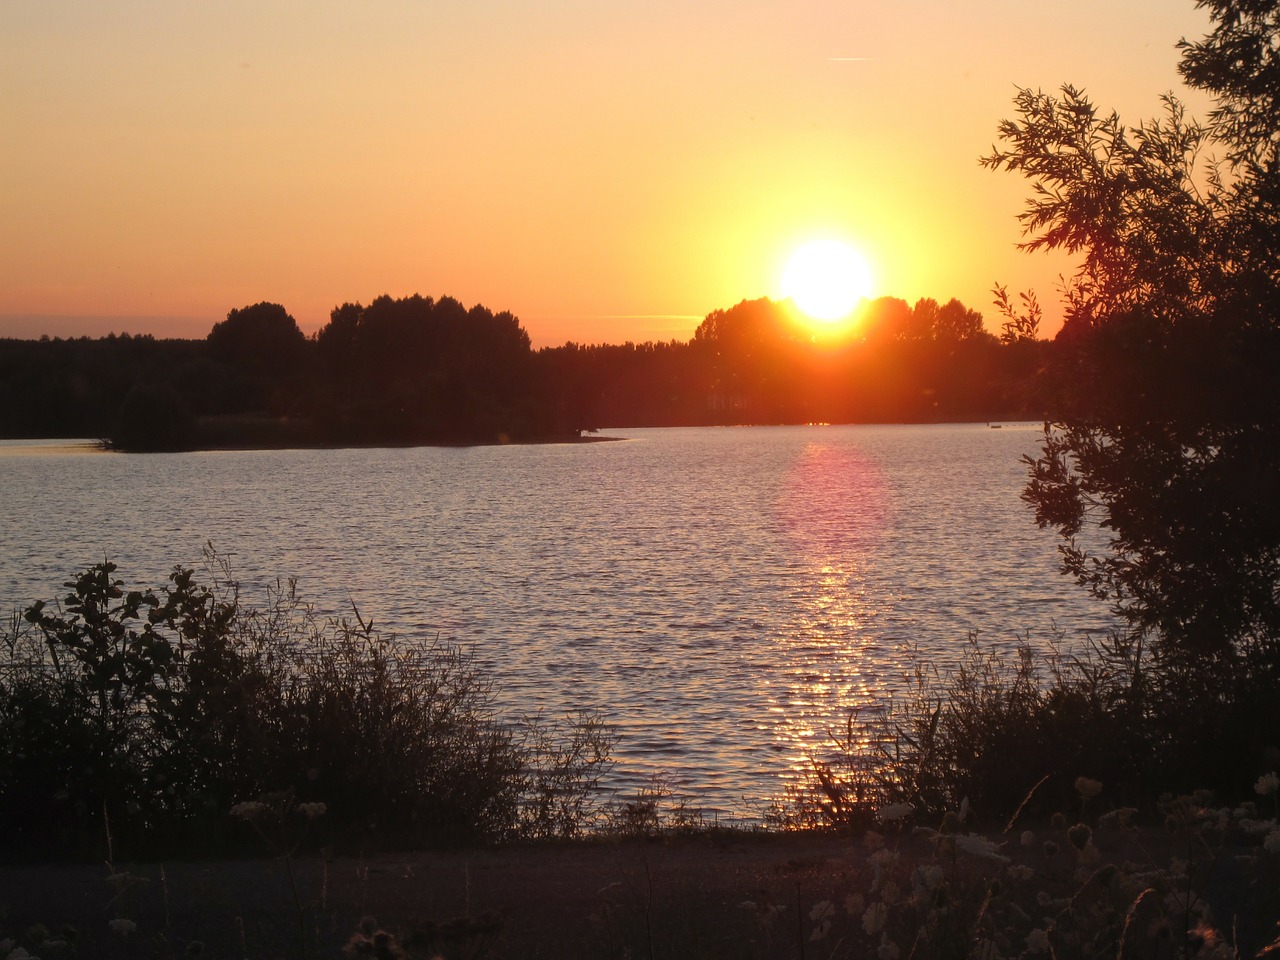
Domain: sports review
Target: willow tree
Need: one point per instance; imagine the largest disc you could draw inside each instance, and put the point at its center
(1166, 432)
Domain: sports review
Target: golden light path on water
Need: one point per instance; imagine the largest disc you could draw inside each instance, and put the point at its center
(834, 508)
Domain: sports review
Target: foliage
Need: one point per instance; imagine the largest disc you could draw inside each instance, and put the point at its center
(146, 715)
(1086, 882)
(1167, 425)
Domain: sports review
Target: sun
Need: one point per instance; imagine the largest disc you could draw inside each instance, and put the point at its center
(826, 279)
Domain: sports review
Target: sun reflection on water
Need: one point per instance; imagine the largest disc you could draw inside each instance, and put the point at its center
(835, 511)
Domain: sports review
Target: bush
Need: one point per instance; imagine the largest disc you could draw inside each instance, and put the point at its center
(142, 717)
(1004, 736)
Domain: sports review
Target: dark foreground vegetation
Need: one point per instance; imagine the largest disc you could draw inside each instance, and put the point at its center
(137, 721)
(361, 797)
(418, 370)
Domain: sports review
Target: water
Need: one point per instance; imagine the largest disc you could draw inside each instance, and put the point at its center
(722, 595)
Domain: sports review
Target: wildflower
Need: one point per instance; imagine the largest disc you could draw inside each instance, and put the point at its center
(1028, 838)
(890, 893)
(1088, 788)
(872, 840)
(977, 846)
(122, 926)
(249, 810)
(888, 950)
(1267, 784)
(1272, 843)
(1257, 827)
(20, 954)
(311, 810)
(821, 914)
(894, 811)
(882, 858)
(879, 862)
(1121, 816)
(874, 919)
(1038, 941)
(854, 904)
(1021, 872)
(822, 910)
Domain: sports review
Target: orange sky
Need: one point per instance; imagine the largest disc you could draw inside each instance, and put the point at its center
(607, 170)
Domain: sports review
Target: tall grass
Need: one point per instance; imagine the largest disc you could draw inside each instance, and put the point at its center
(147, 715)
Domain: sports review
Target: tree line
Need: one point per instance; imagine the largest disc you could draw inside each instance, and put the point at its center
(421, 370)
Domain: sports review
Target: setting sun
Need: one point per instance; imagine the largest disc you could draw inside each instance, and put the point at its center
(826, 279)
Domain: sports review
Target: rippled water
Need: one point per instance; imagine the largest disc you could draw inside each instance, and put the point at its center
(722, 595)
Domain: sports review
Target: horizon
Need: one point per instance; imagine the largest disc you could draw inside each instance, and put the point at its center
(604, 175)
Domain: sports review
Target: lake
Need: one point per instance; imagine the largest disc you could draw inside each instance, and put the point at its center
(723, 596)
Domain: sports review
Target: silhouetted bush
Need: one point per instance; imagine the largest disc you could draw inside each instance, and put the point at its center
(999, 736)
(141, 718)
(153, 417)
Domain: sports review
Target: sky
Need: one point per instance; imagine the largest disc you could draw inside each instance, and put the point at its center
(606, 170)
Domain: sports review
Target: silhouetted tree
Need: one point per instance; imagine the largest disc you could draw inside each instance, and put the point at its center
(955, 321)
(260, 338)
(1168, 429)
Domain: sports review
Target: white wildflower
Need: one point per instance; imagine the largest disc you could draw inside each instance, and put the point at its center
(122, 926)
(311, 810)
(894, 811)
(1272, 843)
(879, 862)
(249, 809)
(883, 858)
(821, 914)
(822, 910)
(1021, 872)
(1088, 788)
(20, 953)
(874, 919)
(1257, 827)
(977, 846)
(1267, 784)
(1028, 838)
(1038, 941)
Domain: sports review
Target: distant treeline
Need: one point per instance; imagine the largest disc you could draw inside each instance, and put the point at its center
(418, 370)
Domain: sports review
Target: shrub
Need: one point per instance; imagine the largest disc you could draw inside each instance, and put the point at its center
(1007, 735)
(142, 717)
